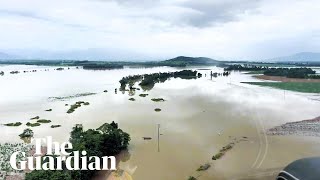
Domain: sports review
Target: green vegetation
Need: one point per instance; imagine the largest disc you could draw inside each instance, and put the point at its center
(55, 126)
(217, 156)
(73, 96)
(107, 140)
(305, 87)
(223, 151)
(105, 91)
(204, 167)
(44, 121)
(157, 109)
(292, 72)
(33, 124)
(27, 133)
(143, 95)
(132, 99)
(37, 117)
(48, 110)
(1, 73)
(13, 124)
(284, 72)
(158, 99)
(149, 80)
(75, 106)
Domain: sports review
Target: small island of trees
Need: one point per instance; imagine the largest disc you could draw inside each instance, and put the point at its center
(149, 80)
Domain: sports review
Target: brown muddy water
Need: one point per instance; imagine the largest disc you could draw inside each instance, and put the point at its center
(198, 118)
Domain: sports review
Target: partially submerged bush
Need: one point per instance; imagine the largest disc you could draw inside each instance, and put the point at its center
(33, 124)
(13, 124)
(143, 95)
(37, 117)
(217, 156)
(157, 99)
(204, 167)
(48, 110)
(55, 126)
(157, 109)
(44, 121)
(78, 104)
(27, 133)
(132, 99)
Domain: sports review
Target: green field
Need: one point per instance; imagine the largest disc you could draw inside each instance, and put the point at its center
(306, 87)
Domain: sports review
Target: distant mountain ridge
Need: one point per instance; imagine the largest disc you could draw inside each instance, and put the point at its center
(299, 57)
(6, 56)
(192, 60)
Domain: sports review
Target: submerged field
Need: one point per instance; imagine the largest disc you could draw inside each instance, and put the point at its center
(306, 87)
(211, 128)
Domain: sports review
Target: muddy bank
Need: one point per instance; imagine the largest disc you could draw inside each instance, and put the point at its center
(284, 79)
(310, 127)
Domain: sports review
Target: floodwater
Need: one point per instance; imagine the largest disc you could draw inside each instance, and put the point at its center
(198, 118)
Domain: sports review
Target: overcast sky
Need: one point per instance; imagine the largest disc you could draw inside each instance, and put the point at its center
(161, 28)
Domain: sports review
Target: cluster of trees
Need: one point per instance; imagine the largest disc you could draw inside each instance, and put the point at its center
(290, 72)
(245, 67)
(107, 140)
(149, 80)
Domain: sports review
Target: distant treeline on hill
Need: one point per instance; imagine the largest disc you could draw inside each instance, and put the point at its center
(284, 72)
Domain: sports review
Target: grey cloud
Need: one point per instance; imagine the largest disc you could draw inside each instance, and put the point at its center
(213, 12)
(26, 14)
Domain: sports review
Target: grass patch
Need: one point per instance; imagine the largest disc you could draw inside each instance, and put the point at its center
(305, 87)
(158, 99)
(157, 109)
(34, 118)
(55, 126)
(44, 121)
(13, 124)
(204, 167)
(33, 124)
(143, 95)
(132, 99)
